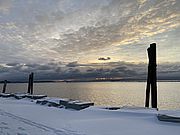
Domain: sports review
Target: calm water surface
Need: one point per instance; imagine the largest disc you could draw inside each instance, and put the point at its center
(107, 93)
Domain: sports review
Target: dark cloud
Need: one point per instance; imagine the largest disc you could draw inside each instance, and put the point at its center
(75, 70)
(12, 64)
(104, 59)
(72, 64)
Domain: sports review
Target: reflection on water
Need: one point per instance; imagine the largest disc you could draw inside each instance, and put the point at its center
(107, 93)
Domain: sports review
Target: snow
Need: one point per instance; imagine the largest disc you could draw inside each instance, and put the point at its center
(25, 117)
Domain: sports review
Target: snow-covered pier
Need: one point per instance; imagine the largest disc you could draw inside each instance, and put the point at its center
(55, 102)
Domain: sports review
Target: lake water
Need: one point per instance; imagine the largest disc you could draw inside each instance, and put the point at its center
(107, 93)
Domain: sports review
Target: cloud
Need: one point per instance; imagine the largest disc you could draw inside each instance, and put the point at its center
(12, 64)
(5, 6)
(104, 59)
(72, 64)
(79, 30)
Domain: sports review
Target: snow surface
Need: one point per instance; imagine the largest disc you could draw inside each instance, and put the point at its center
(25, 117)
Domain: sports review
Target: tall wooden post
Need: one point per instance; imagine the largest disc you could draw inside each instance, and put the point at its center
(152, 77)
(29, 84)
(4, 86)
(32, 81)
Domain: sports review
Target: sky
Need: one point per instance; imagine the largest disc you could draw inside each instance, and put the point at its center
(88, 39)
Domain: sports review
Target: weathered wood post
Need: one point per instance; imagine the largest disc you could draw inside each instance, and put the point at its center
(29, 84)
(4, 86)
(152, 77)
(32, 81)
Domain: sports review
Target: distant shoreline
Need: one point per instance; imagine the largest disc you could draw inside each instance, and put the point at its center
(78, 81)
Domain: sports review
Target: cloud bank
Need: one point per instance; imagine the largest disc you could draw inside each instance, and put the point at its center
(111, 70)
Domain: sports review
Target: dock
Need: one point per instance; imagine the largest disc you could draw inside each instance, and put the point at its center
(51, 102)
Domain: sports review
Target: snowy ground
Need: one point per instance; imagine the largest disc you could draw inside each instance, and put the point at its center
(24, 117)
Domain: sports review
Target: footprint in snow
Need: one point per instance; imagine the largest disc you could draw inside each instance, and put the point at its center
(21, 128)
(3, 127)
(3, 123)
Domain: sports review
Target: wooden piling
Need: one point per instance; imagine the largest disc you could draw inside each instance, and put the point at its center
(152, 77)
(4, 86)
(30, 83)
